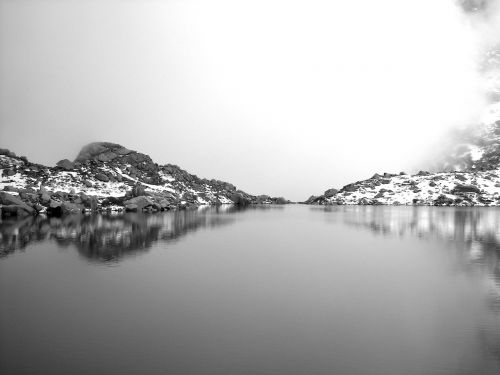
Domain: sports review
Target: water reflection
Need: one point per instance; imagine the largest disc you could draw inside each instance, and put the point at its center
(473, 235)
(108, 237)
(474, 231)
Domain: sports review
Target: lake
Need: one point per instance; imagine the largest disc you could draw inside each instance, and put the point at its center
(266, 290)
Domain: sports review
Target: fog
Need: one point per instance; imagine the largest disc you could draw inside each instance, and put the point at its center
(278, 97)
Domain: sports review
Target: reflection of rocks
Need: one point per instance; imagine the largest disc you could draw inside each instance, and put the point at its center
(473, 232)
(108, 237)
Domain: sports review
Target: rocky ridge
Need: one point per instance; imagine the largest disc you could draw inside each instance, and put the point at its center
(108, 176)
(475, 188)
(469, 175)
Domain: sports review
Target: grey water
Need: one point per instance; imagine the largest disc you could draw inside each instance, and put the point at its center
(268, 290)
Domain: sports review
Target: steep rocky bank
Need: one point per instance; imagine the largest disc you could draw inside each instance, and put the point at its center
(108, 176)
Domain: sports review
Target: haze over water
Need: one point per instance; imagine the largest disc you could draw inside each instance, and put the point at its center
(276, 290)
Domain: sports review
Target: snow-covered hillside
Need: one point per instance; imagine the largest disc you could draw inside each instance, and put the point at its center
(475, 188)
(109, 176)
(465, 173)
(468, 176)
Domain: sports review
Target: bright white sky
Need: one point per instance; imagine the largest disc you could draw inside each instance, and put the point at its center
(279, 97)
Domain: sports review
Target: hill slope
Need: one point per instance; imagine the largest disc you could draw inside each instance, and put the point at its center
(109, 176)
(468, 175)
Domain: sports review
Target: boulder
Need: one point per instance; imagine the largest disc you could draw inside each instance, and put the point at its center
(164, 204)
(123, 151)
(330, 193)
(45, 198)
(66, 164)
(92, 150)
(107, 156)
(102, 177)
(6, 152)
(11, 188)
(462, 188)
(311, 199)
(112, 201)
(423, 173)
(7, 199)
(349, 188)
(443, 200)
(54, 204)
(364, 201)
(138, 203)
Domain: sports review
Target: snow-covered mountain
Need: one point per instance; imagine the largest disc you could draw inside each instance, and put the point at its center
(109, 176)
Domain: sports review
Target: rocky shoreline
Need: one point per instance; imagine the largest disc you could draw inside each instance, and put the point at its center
(467, 173)
(109, 177)
(469, 188)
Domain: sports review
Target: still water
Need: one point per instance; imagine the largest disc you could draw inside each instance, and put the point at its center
(276, 290)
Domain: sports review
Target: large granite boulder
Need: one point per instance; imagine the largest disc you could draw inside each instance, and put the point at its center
(66, 164)
(462, 188)
(93, 150)
(138, 203)
(349, 188)
(330, 193)
(6, 152)
(102, 177)
(7, 199)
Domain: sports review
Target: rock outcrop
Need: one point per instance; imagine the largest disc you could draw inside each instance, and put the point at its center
(108, 176)
(471, 188)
